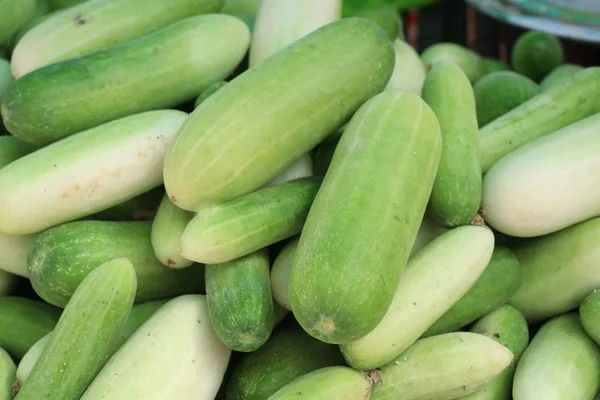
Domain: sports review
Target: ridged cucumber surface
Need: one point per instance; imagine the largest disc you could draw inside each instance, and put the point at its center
(8, 371)
(167, 230)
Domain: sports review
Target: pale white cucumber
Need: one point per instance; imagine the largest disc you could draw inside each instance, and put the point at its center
(302, 168)
(409, 71)
(13, 253)
(29, 360)
(167, 229)
(280, 273)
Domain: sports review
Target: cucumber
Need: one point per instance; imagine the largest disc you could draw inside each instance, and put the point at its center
(280, 273)
(386, 17)
(237, 121)
(409, 71)
(494, 65)
(240, 6)
(13, 14)
(434, 280)
(13, 253)
(176, 355)
(507, 326)
(62, 256)
(535, 54)
(280, 23)
(545, 113)
(167, 229)
(498, 283)
(209, 91)
(142, 207)
(427, 232)
(6, 78)
(352, 237)
(442, 367)
(562, 362)
(456, 194)
(23, 323)
(28, 362)
(7, 375)
(239, 299)
(11, 149)
(589, 312)
(47, 104)
(559, 271)
(323, 155)
(547, 185)
(559, 75)
(86, 173)
(302, 168)
(233, 229)
(330, 383)
(471, 63)
(84, 335)
(94, 26)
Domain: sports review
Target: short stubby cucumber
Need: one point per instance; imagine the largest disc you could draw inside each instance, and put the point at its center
(280, 273)
(176, 355)
(498, 283)
(12, 149)
(534, 54)
(83, 338)
(559, 75)
(386, 17)
(209, 91)
(86, 173)
(545, 113)
(13, 253)
(226, 231)
(589, 312)
(471, 63)
(92, 26)
(548, 184)
(239, 299)
(272, 114)
(288, 354)
(167, 230)
(8, 371)
(409, 71)
(353, 238)
(559, 271)
(456, 194)
(562, 362)
(62, 256)
(442, 367)
(139, 208)
(156, 71)
(301, 168)
(435, 279)
(13, 14)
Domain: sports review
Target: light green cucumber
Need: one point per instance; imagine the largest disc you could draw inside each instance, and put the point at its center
(494, 65)
(176, 354)
(240, 6)
(456, 194)
(49, 104)
(409, 71)
(6, 78)
(329, 383)
(13, 14)
(13, 253)
(86, 173)
(352, 237)
(507, 326)
(498, 283)
(434, 280)
(545, 113)
(142, 207)
(7, 375)
(239, 299)
(427, 232)
(548, 184)
(209, 91)
(271, 115)
(559, 75)
(83, 338)
(280, 273)
(559, 271)
(562, 362)
(167, 229)
(93, 26)
(302, 168)
(12, 149)
(386, 17)
(535, 54)
(589, 312)
(471, 63)
(226, 231)
(28, 362)
(62, 256)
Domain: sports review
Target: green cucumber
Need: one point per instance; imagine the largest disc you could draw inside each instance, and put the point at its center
(434, 280)
(237, 121)
(240, 6)
(11, 149)
(142, 207)
(176, 355)
(167, 230)
(498, 283)
(559, 75)
(93, 26)
(456, 194)
(13, 14)
(329, 383)
(6, 78)
(13, 253)
(239, 299)
(86, 173)
(8, 371)
(471, 63)
(589, 312)
(302, 168)
(562, 362)
(548, 184)
(535, 54)
(353, 238)
(226, 231)
(545, 113)
(84, 335)
(507, 326)
(494, 65)
(23, 323)
(409, 71)
(28, 362)
(280, 273)
(386, 17)
(442, 367)
(427, 232)
(62, 256)
(48, 104)
(559, 271)
(209, 91)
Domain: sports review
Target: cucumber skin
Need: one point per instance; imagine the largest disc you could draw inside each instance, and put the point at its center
(468, 61)
(11, 149)
(497, 284)
(8, 371)
(23, 323)
(13, 253)
(387, 18)
(560, 75)
(328, 262)
(224, 232)
(456, 194)
(545, 113)
(209, 91)
(30, 115)
(409, 71)
(13, 15)
(239, 299)
(83, 338)
(62, 256)
(280, 273)
(237, 121)
(589, 312)
(167, 230)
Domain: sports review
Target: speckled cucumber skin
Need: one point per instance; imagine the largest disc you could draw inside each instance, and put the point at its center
(8, 371)
(395, 137)
(167, 229)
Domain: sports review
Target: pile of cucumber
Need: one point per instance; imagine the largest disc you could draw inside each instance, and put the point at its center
(276, 200)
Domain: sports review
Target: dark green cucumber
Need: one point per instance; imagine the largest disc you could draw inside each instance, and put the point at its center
(209, 91)
(142, 207)
(12, 149)
(535, 54)
(62, 256)
(85, 333)
(167, 230)
(8, 371)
